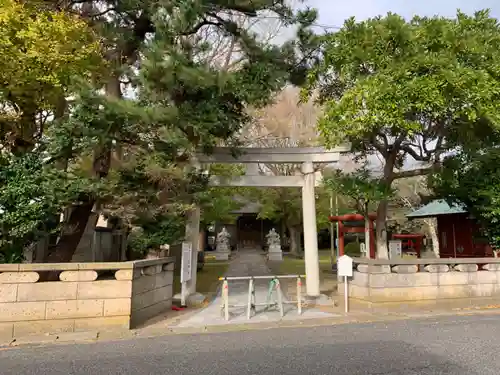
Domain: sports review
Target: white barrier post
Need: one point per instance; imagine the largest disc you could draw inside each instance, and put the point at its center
(251, 298)
(299, 295)
(280, 297)
(225, 298)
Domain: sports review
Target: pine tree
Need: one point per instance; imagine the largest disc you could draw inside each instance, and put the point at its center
(137, 147)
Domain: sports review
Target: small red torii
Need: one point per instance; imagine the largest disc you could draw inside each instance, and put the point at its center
(412, 241)
(343, 229)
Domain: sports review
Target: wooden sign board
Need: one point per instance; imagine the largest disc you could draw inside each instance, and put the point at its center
(186, 262)
(395, 249)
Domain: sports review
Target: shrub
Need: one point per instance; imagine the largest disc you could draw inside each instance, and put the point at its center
(352, 249)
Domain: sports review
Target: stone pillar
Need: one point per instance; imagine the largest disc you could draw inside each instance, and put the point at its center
(202, 240)
(123, 245)
(42, 247)
(29, 253)
(192, 236)
(310, 231)
(96, 247)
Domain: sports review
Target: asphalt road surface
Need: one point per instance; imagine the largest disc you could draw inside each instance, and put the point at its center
(461, 345)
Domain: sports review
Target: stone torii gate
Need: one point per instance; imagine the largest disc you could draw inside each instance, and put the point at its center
(307, 157)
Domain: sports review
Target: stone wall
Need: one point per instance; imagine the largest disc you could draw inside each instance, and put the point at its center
(416, 281)
(86, 296)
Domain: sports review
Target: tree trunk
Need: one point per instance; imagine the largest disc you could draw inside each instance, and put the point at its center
(431, 225)
(72, 232)
(73, 229)
(295, 248)
(367, 235)
(381, 230)
(381, 222)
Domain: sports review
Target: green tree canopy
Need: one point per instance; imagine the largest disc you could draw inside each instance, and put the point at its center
(473, 179)
(131, 130)
(364, 190)
(409, 90)
(44, 54)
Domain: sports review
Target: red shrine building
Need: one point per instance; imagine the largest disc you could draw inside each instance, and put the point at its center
(458, 232)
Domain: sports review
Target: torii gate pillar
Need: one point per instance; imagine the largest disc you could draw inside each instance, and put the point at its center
(310, 231)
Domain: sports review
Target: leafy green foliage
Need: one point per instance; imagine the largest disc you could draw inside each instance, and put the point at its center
(363, 189)
(280, 204)
(473, 179)
(43, 53)
(32, 197)
(219, 203)
(127, 154)
(11, 254)
(285, 204)
(410, 88)
(352, 249)
(152, 233)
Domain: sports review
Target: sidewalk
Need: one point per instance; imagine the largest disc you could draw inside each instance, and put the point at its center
(249, 263)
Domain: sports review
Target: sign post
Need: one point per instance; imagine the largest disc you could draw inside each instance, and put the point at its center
(395, 249)
(344, 268)
(185, 270)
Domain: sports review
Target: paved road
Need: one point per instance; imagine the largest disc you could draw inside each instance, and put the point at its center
(458, 346)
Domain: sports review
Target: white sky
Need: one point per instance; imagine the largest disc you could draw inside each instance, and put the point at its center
(334, 12)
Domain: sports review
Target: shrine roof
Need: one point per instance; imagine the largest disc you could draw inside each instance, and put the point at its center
(437, 207)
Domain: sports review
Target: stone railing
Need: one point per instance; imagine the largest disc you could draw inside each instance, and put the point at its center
(87, 296)
(408, 281)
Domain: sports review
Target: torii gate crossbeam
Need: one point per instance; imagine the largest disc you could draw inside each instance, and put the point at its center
(307, 157)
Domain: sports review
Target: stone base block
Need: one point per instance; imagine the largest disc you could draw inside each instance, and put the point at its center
(220, 255)
(321, 300)
(275, 256)
(194, 300)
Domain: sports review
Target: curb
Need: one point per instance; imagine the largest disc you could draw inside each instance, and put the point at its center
(351, 318)
(64, 338)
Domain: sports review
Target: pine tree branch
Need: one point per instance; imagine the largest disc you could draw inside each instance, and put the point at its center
(417, 172)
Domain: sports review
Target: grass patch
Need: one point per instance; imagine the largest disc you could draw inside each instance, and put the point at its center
(296, 266)
(291, 265)
(207, 279)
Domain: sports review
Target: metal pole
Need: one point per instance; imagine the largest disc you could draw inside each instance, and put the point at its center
(346, 295)
(294, 276)
(332, 237)
(337, 222)
(299, 295)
